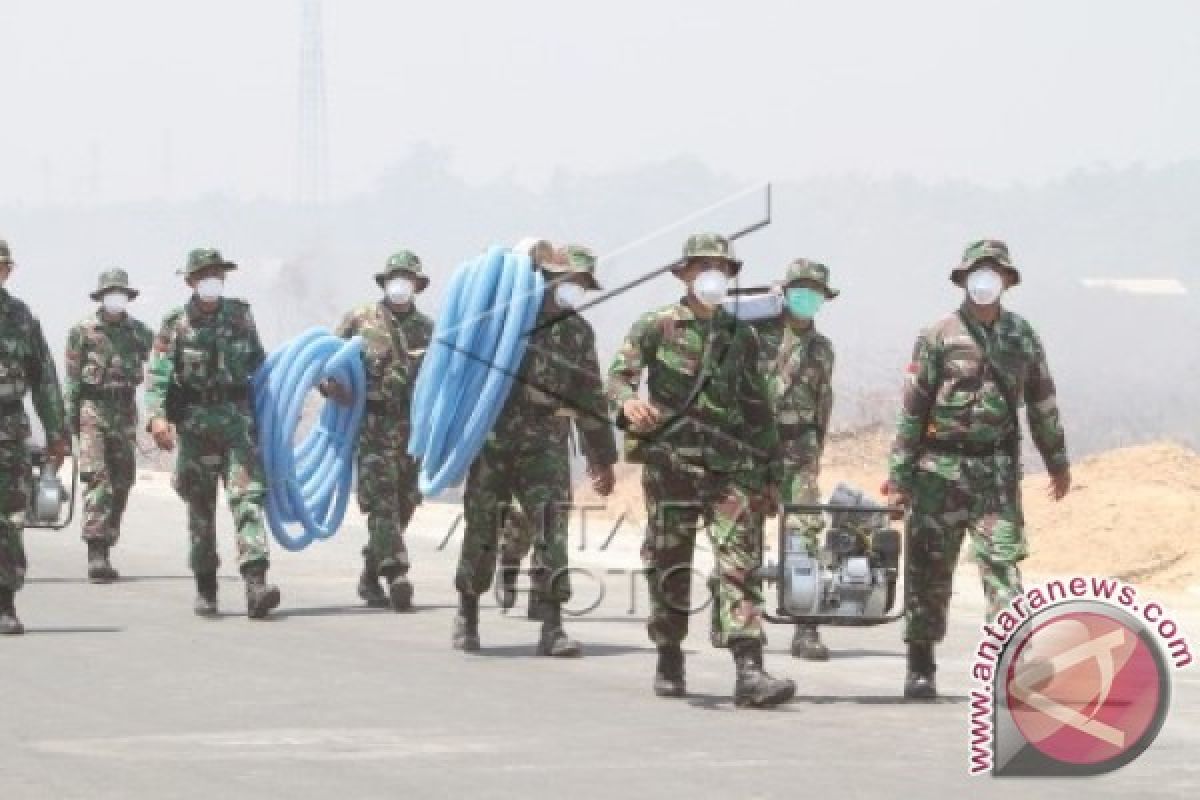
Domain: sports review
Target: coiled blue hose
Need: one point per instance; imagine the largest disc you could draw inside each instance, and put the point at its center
(309, 485)
(478, 342)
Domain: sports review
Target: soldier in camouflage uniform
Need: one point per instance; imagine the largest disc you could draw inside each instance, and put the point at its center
(106, 355)
(199, 386)
(956, 458)
(26, 366)
(798, 363)
(525, 456)
(712, 457)
(395, 336)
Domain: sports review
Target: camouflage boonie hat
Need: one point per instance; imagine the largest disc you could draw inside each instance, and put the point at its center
(709, 245)
(575, 259)
(804, 270)
(115, 279)
(5, 254)
(985, 250)
(204, 257)
(405, 261)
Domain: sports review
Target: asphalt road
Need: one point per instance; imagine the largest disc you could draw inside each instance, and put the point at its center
(119, 692)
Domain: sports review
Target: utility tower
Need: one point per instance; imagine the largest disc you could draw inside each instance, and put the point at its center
(312, 153)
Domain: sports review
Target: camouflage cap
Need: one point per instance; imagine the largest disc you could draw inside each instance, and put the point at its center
(405, 261)
(575, 259)
(710, 245)
(203, 258)
(5, 254)
(115, 279)
(803, 269)
(992, 250)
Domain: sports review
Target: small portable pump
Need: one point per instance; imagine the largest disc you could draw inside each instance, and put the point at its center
(48, 496)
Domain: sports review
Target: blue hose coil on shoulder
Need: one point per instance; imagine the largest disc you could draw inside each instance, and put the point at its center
(478, 343)
(308, 485)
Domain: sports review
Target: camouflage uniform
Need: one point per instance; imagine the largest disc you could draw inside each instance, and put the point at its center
(394, 343)
(25, 366)
(713, 453)
(526, 456)
(212, 358)
(956, 450)
(104, 366)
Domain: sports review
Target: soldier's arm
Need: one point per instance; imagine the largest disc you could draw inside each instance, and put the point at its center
(625, 373)
(1041, 406)
(47, 394)
(347, 327)
(257, 355)
(760, 416)
(825, 399)
(72, 373)
(595, 432)
(920, 388)
(161, 370)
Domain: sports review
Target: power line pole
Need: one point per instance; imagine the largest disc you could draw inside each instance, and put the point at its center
(312, 156)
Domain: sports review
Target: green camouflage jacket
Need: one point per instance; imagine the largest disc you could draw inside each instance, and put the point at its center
(799, 370)
(27, 366)
(104, 355)
(729, 426)
(950, 396)
(559, 380)
(203, 351)
(394, 345)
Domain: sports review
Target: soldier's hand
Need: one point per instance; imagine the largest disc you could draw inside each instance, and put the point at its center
(163, 433)
(640, 413)
(603, 479)
(896, 497)
(1060, 484)
(337, 392)
(56, 451)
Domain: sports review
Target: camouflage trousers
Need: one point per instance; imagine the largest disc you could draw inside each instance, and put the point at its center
(14, 500)
(982, 499)
(678, 501)
(540, 482)
(218, 444)
(387, 494)
(799, 486)
(107, 467)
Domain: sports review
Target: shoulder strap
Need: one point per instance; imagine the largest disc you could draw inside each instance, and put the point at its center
(1007, 391)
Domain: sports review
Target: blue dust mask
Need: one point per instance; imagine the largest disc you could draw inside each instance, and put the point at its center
(804, 303)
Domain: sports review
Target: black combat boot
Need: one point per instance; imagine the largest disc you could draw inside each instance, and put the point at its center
(807, 644)
(9, 624)
(99, 568)
(755, 688)
(400, 590)
(261, 596)
(368, 587)
(554, 640)
(466, 624)
(668, 675)
(509, 572)
(206, 595)
(537, 606)
(919, 684)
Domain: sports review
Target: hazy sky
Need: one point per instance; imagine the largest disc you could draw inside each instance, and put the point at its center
(137, 99)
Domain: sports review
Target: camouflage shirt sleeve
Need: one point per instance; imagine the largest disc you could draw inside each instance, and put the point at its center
(625, 374)
(920, 389)
(759, 414)
(47, 395)
(72, 372)
(145, 338)
(161, 369)
(595, 432)
(1041, 406)
(825, 397)
(257, 354)
(348, 326)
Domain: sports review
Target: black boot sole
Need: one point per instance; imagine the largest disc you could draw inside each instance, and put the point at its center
(376, 599)
(400, 595)
(674, 690)
(769, 700)
(267, 602)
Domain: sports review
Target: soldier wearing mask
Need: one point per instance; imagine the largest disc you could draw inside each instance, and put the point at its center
(203, 360)
(26, 367)
(955, 463)
(395, 337)
(105, 358)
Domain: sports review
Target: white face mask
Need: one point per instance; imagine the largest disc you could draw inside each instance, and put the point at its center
(115, 302)
(568, 295)
(710, 286)
(399, 290)
(984, 286)
(210, 288)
